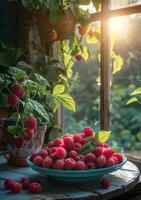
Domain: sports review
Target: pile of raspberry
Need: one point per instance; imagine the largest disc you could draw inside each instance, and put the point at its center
(33, 186)
(64, 153)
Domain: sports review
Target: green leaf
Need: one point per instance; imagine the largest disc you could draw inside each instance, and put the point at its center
(102, 136)
(86, 148)
(117, 64)
(67, 101)
(97, 4)
(137, 91)
(85, 53)
(118, 149)
(84, 2)
(132, 100)
(91, 40)
(41, 80)
(36, 106)
(16, 130)
(58, 89)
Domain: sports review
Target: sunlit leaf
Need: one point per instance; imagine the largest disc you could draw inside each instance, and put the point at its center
(137, 91)
(58, 89)
(97, 4)
(68, 102)
(132, 100)
(85, 53)
(103, 136)
(117, 64)
(91, 40)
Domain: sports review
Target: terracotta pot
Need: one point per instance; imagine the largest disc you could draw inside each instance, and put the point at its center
(3, 114)
(64, 28)
(17, 156)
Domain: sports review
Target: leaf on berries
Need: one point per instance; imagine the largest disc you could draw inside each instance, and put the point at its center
(86, 148)
(16, 130)
(102, 136)
(118, 149)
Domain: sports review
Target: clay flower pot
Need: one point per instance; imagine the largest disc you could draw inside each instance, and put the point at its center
(17, 154)
(63, 28)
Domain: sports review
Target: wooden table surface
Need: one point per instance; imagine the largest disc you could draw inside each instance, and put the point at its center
(122, 181)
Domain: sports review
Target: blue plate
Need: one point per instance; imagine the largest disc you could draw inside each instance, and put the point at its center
(76, 175)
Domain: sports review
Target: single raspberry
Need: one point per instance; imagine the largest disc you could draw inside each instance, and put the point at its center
(80, 158)
(16, 187)
(53, 35)
(30, 133)
(18, 90)
(8, 183)
(107, 152)
(105, 145)
(84, 141)
(68, 142)
(90, 165)
(13, 100)
(99, 144)
(50, 144)
(88, 131)
(18, 141)
(72, 154)
(43, 153)
(77, 146)
(115, 159)
(58, 164)
(80, 165)
(24, 182)
(82, 135)
(34, 188)
(105, 183)
(58, 142)
(90, 157)
(33, 155)
(47, 162)
(69, 163)
(82, 30)
(77, 138)
(110, 162)
(36, 180)
(101, 161)
(67, 135)
(31, 123)
(119, 157)
(78, 57)
(60, 153)
(53, 150)
(38, 160)
(98, 151)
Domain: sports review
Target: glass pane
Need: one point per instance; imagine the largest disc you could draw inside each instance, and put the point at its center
(85, 90)
(126, 119)
(122, 3)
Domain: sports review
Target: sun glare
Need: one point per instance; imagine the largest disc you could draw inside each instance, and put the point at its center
(118, 25)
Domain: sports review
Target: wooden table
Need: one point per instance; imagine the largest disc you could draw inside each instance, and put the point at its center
(122, 181)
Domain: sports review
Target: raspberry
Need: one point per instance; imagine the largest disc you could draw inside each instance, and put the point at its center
(82, 135)
(31, 122)
(80, 158)
(108, 152)
(34, 188)
(98, 151)
(8, 183)
(90, 165)
(36, 180)
(80, 165)
(77, 146)
(30, 133)
(99, 144)
(33, 155)
(82, 30)
(24, 182)
(77, 138)
(13, 100)
(43, 153)
(38, 160)
(47, 162)
(18, 141)
(105, 183)
(53, 35)
(58, 164)
(119, 157)
(110, 162)
(72, 154)
(78, 57)
(67, 135)
(90, 157)
(105, 145)
(69, 163)
(68, 142)
(115, 159)
(18, 90)
(88, 131)
(60, 153)
(58, 142)
(15, 187)
(50, 144)
(84, 141)
(101, 161)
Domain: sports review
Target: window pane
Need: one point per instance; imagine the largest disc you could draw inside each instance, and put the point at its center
(122, 3)
(126, 119)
